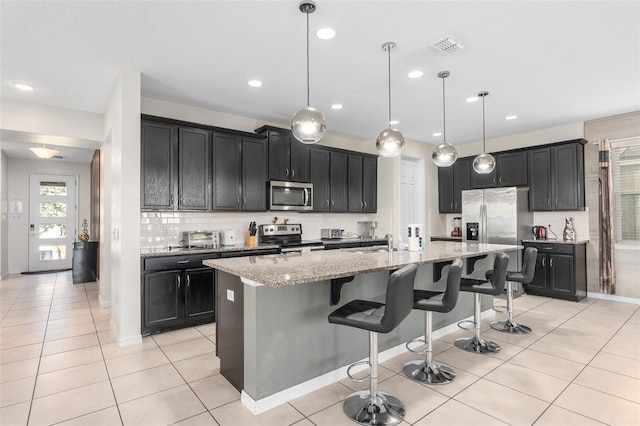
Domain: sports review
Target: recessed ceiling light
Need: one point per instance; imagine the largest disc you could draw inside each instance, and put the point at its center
(472, 99)
(326, 33)
(392, 122)
(254, 83)
(336, 106)
(511, 117)
(437, 134)
(23, 86)
(415, 74)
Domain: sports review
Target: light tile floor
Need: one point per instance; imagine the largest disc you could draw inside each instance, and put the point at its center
(59, 364)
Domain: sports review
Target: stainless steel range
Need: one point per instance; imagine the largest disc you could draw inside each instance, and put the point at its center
(288, 237)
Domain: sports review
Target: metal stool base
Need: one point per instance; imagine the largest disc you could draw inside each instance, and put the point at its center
(431, 373)
(385, 409)
(510, 327)
(478, 346)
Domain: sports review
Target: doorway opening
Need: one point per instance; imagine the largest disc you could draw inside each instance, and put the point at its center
(412, 194)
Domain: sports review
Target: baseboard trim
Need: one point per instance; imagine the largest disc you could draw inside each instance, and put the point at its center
(103, 303)
(123, 342)
(614, 298)
(272, 401)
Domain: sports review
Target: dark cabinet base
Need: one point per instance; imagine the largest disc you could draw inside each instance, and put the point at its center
(561, 271)
(84, 263)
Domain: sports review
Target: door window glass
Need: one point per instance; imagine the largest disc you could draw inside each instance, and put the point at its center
(53, 188)
(52, 252)
(53, 209)
(52, 230)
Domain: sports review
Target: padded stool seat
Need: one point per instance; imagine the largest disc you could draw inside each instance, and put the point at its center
(373, 407)
(525, 277)
(492, 287)
(428, 371)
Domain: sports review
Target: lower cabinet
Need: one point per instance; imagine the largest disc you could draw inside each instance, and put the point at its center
(177, 291)
(561, 271)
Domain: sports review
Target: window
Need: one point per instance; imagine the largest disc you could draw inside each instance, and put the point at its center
(626, 189)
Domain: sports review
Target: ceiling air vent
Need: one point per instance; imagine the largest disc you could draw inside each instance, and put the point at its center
(58, 157)
(448, 45)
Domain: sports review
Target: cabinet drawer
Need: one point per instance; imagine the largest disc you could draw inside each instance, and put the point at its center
(552, 248)
(167, 263)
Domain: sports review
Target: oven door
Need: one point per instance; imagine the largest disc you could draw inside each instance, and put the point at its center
(291, 196)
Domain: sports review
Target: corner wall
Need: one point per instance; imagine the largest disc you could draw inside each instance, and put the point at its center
(4, 216)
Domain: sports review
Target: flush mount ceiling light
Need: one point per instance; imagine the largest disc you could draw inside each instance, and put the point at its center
(336, 106)
(308, 125)
(415, 74)
(254, 83)
(390, 141)
(23, 86)
(472, 99)
(484, 163)
(325, 33)
(44, 152)
(444, 155)
(511, 117)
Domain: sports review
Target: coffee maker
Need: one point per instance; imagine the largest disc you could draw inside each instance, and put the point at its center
(367, 229)
(457, 227)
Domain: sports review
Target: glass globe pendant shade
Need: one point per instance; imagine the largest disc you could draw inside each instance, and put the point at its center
(308, 125)
(484, 164)
(444, 155)
(390, 142)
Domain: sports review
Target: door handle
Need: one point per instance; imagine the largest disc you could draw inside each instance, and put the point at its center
(188, 281)
(293, 173)
(179, 281)
(286, 172)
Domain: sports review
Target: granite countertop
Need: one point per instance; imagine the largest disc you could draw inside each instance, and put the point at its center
(446, 237)
(329, 242)
(280, 270)
(181, 251)
(550, 241)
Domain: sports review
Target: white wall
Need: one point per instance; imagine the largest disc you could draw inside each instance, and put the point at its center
(4, 216)
(18, 187)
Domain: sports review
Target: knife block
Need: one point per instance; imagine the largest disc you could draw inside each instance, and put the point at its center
(250, 240)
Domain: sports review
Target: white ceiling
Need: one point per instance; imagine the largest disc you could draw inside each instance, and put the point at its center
(549, 62)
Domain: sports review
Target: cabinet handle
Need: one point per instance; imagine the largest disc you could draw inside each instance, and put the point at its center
(244, 201)
(178, 281)
(237, 201)
(500, 180)
(451, 205)
(544, 261)
(361, 205)
(551, 262)
(182, 261)
(549, 202)
(365, 204)
(456, 206)
(293, 173)
(286, 172)
(556, 202)
(332, 203)
(327, 203)
(188, 281)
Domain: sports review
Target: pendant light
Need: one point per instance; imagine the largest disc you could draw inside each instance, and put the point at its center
(390, 141)
(444, 155)
(308, 125)
(484, 163)
(44, 152)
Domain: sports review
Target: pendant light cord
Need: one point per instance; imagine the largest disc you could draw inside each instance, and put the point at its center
(484, 138)
(389, 62)
(444, 115)
(308, 103)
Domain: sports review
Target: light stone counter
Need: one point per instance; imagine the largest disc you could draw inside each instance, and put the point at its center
(550, 241)
(298, 268)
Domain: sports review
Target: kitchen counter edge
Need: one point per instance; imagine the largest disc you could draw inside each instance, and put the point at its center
(555, 241)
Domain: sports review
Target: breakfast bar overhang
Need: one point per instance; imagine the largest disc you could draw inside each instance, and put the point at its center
(273, 338)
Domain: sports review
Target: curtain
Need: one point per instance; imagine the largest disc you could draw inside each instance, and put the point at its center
(606, 234)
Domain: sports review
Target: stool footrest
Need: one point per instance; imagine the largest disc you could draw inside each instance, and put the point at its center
(417, 340)
(500, 308)
(355, 364)
(467, 328)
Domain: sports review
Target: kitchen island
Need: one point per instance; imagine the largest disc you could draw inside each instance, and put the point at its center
(273, 338)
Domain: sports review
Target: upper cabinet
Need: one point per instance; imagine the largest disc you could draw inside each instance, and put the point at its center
(320, 178)
(194, 166)
(511, 170)
(362, 183)
(288, 157)
(452, 181)
(159, 166)
(556, 177)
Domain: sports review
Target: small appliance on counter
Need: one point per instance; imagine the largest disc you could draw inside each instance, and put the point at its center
(228, 237)
(539, 232)
(367, 228)
(200, 239)
(414, 234)
(330, 233)
(457, 227)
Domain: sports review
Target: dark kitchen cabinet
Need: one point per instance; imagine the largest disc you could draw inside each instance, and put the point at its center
(338, 182)
(556, 177)
(239, 173)
(177, 292)
(451, 182)
(288, 157)
(321, 179)
(561, 271)
(194, 165)
(362, 175)
(159, 166)
(510, 170)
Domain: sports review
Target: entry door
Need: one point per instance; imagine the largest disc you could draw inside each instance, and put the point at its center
(52, 221)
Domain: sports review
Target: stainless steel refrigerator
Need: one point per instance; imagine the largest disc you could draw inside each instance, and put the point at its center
(496, 216)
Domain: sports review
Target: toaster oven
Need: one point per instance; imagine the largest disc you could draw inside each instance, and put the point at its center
(200, 238)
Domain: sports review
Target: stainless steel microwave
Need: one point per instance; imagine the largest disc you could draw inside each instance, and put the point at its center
(292, 196)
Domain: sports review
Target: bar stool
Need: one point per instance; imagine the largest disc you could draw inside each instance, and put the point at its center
(428, 371)
(525, 277)
(373, 407)
(493, 287)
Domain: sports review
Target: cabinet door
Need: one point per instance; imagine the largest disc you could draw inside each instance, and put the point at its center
(445, 189)
(200, 292)
(561, 277)
(158, 166)
(479, 181)
(338, 182)
(370, 184)
(194, 183)
(319, 174)
(512, 168)
(299, 170)
(226, 172)
(540, 179)
(279, 146)
(566, 182)
(354, 183)
(254, 174)
(461, 181)
(163, 305)
(539, 281)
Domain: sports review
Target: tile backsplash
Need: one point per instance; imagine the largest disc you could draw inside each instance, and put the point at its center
(163, 229)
